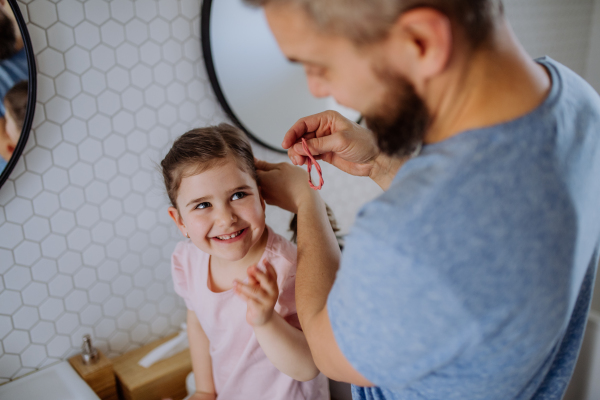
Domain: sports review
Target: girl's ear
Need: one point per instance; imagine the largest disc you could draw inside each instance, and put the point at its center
(174, 214)
(262, 200)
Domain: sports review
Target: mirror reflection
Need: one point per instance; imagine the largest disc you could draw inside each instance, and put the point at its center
(250, 75)
(14, 73)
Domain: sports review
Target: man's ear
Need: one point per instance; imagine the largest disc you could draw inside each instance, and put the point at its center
(422, 44)
(174, 214)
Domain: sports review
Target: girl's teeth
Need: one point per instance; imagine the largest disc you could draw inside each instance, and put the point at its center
(226, 237)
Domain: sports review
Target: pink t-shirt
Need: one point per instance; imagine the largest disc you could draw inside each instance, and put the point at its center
(241, 370)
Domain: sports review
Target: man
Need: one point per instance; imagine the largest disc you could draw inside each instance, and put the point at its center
(471, 276)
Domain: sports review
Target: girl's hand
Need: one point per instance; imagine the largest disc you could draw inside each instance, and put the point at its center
(260, 294)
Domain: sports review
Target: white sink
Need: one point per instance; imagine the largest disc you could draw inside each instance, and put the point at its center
(59, 382)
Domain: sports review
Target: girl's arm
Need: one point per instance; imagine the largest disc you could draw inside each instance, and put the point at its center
(201, 362)
(285, 346)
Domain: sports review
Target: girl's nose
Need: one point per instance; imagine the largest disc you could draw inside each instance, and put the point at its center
(226, 216)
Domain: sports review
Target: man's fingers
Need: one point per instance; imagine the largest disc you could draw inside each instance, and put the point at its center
(263, 165)
(320, 145)
(313, 123)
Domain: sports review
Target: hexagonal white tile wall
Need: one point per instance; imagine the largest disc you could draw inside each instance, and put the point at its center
(85, 241)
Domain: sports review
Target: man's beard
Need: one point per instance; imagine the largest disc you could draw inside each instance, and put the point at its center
(400, 122)
(8, 39)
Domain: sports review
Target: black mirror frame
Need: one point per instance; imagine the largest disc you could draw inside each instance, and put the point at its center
(212, 75)
(31, 95)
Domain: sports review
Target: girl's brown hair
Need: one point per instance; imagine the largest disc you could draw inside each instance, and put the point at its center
(203, 148)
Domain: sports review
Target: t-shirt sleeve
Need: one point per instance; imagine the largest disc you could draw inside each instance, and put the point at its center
(393, 320)
(179, 272)
(287, 300)
(284, 261)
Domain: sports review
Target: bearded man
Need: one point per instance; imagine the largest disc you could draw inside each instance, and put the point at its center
(471, 276)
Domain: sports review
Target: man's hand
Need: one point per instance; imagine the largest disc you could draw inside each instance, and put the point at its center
(283, 185)
(344, 144)
(260, 294)
(334, 139)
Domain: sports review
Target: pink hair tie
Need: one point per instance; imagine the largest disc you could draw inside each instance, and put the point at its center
(311, 161)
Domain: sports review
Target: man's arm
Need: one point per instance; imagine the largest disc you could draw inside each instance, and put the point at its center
(318, 261)
(286, 186)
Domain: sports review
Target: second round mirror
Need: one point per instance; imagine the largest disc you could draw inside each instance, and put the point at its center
(258, 87)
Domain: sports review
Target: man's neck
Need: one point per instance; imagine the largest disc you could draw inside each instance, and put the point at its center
(490, 87)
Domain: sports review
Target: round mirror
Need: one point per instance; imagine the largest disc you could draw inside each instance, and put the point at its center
(17, 86)
(261, 91)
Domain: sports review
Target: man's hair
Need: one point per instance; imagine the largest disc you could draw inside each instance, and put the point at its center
(15, 102)
(366, 21)
(8, 38)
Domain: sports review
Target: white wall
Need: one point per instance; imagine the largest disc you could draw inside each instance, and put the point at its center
(558, 28)
(592, 72)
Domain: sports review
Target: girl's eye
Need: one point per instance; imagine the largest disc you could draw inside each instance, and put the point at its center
(203, 205)
(238, 195)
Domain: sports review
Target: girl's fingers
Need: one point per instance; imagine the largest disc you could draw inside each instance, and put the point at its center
(242, 296)
(253, 292)
(266, 282)
(268, 270)
(271, 270)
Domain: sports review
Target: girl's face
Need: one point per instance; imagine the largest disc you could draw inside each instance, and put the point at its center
(221, 210)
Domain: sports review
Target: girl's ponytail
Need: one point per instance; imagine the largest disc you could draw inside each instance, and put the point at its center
(332, 221)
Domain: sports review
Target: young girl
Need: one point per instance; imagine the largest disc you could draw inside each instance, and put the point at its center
(235, 274)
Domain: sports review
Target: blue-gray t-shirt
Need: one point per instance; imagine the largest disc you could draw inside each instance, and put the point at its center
(471, 277)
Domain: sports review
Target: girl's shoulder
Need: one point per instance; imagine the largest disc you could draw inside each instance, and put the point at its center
(280, 248)
(186, 254)
(281, 254)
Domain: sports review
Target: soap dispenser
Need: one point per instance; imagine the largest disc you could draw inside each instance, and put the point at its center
(96, 370)
(89, 354)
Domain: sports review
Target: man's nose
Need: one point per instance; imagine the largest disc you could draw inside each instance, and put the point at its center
(318, 88)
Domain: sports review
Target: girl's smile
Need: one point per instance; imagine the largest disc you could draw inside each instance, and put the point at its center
(230, 238)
